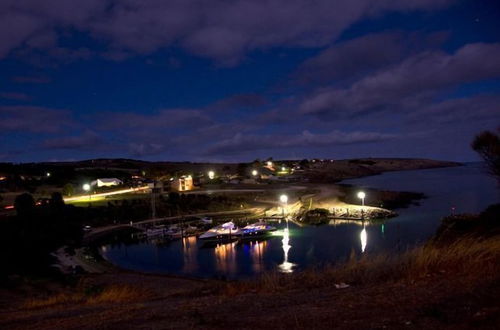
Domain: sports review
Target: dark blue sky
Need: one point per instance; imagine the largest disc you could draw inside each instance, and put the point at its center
(238, 80)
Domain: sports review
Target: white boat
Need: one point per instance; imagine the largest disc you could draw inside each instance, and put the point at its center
(256, 229)
(206, 220)
(155, 232)
(174, 232)
(223, 232)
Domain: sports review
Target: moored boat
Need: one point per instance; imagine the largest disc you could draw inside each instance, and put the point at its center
(257, 229)
(226, 231)
(155, 231)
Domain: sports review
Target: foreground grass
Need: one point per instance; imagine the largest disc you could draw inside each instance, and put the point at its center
(471, 258)
(436, 286)
(91, 296)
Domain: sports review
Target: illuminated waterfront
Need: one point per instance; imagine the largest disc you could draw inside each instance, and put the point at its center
(292, 248)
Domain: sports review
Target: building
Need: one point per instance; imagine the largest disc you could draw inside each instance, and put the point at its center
(106, 182)
(183, 183)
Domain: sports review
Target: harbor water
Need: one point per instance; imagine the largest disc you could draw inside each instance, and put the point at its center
(464, 189)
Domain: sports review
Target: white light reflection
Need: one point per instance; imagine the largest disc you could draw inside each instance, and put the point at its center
(286, 266)
(363, 237)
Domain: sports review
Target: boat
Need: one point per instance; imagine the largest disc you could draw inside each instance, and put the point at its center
(256, 229)
(206, 220)
(226, 231)
(155, 231)
(174, 232)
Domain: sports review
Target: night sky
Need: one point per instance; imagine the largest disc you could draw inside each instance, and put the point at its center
(237, 80)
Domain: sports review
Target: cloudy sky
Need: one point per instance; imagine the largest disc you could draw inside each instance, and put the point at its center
(219, 80)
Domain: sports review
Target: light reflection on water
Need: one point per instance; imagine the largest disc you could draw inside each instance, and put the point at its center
(292, 248)
(257, 250)
(286, 266)
(363, 236)
(189, 253)
(225, 257)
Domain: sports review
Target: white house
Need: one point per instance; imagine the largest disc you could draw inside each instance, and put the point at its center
(106, 182)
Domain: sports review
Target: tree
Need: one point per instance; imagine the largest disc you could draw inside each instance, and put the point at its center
(24, 205)
(68, 189)
(487, 145)
(304, 163)
(242, 168)
(57, 201)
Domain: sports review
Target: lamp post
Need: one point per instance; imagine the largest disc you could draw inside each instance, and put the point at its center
(284, 201)
(362, 195)
(86, 188)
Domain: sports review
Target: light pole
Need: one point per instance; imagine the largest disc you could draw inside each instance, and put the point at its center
(284, 201)
(86, 188)
(362, 195)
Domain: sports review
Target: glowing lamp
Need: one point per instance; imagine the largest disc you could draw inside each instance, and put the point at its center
(284, 199)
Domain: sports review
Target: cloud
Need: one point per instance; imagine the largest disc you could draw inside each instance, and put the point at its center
(239, 101)
(14, 96)
(240, 143)
(34, 119)
(31, 79)
(161, 120)
(351, 58)
(145, 149)
(218, 29)
(406, 84)
(464, 110)
(88, 140)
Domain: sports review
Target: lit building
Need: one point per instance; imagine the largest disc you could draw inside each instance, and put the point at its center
(183, 183)
(106, 182)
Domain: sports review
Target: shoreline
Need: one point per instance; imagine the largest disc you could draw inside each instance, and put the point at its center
(397, 199)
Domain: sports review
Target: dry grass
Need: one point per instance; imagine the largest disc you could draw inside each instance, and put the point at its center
(58, 299)
(469, 258)
(110, 294)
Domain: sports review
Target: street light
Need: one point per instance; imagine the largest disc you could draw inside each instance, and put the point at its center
(284, 201)
(211, 175)
(362, 195)
(86, 187)
(254, 172)
(48, 174)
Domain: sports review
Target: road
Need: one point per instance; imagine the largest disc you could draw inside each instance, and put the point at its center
(89, 197)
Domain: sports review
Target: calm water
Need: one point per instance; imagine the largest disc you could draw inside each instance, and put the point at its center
(465, 188)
